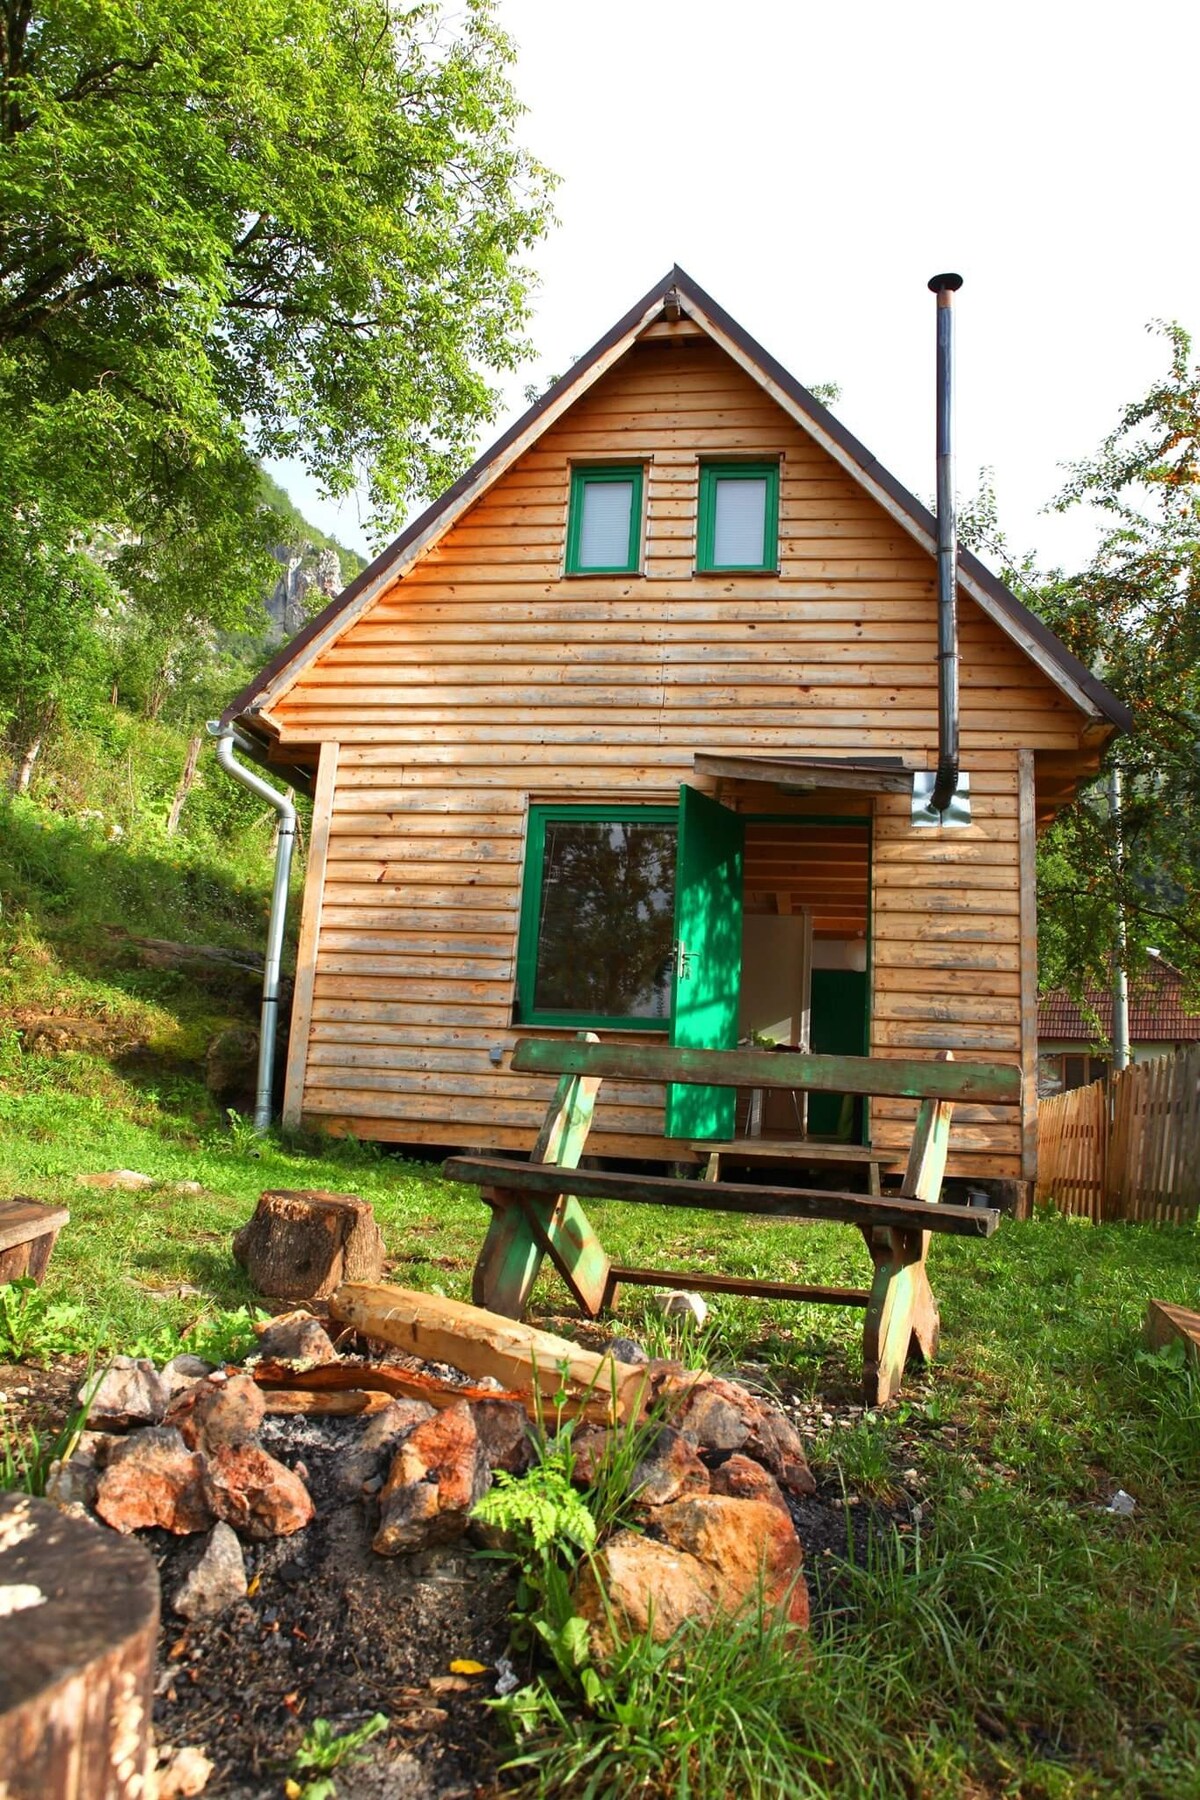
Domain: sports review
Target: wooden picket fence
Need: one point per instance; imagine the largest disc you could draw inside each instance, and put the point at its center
(1128, 1148)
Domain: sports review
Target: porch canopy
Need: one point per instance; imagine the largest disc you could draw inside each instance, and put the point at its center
(812, 774)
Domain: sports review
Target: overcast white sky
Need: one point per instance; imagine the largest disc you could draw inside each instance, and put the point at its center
(812, 165)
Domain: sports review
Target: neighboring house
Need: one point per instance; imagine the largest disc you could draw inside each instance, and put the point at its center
(1075, 1036)
(676, 624)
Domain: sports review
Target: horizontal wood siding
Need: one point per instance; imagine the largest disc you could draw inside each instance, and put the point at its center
(486, 679)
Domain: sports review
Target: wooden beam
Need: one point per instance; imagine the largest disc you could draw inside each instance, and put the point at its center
(689, 1279)
(1167, 1324)
(806, 775)
(1027, 895)
(373, 1378)
(520, 1178)
(22, 1219)
(884, 1077)
(523, 1359)
(554, 1224)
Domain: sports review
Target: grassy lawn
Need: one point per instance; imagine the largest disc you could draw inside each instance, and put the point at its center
(1023, 1641)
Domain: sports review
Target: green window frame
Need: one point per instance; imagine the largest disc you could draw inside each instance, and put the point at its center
(530, 928)
(597, 475)
(712, 474)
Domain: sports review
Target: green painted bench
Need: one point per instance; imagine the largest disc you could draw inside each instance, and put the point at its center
(535, 1215)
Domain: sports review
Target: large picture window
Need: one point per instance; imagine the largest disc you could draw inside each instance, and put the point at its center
(597, 917)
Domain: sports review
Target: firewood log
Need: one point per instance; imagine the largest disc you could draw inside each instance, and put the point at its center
(300, 1245)
(528, 1361)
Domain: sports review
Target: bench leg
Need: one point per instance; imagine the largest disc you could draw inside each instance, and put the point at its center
(563, 1231)
(902, 1315)
(509, 1261)
(524, 1229)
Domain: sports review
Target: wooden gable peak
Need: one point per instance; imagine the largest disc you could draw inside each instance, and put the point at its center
(678, 303)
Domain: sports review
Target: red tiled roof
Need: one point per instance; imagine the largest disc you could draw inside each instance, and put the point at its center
(1157, 1011)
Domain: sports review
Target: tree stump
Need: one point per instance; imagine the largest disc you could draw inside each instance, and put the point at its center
(301, 1245)
(27, 1235)
(78, 1626)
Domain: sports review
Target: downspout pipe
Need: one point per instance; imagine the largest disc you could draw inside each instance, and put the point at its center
(228, 738)
(1120, 1031)
(946, 781)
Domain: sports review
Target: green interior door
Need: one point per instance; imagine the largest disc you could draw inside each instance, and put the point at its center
(838, 1027)
(708, 957)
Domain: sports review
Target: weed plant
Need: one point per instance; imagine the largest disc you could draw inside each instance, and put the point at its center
(27, 1457)
(322, 1751)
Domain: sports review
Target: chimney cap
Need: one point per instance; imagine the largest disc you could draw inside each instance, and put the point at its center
(945, 284)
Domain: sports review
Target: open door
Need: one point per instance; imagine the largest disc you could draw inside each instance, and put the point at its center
(708, 957)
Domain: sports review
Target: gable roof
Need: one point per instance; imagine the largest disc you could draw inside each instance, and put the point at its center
(1071, 676)
(1158, 1012)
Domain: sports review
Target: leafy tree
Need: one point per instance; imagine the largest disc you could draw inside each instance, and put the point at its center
(51, 659)
(194, 575)
(1133, 615)
(232, 229)
(283, 224)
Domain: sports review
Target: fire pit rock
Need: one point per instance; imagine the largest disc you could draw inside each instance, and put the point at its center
(369, 1458)
(438, 1474)
(216, 1581)
(130, 1392)
(254, 1493)
(219, 1412)
(708, 1553)
(152, 1479)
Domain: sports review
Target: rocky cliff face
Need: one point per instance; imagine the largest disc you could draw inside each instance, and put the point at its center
(310, 576)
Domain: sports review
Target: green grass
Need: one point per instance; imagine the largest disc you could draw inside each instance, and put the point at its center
(1023, 1642)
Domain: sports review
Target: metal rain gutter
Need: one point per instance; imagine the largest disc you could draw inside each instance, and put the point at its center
(942, 800)
(226, 738)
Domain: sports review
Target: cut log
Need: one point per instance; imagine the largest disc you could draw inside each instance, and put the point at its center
(277, 1379)
(301, 1245)
(299, 1401)
(78, 1626)
(486, 1343)
(27, 1235)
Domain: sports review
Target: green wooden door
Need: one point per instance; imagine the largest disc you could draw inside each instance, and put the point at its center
(708, 957)
(838, 1027)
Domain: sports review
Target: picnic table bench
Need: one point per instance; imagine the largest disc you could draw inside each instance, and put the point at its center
(535, 1213)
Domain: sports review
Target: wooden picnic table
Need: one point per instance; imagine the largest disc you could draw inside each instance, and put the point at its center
(537, 1211)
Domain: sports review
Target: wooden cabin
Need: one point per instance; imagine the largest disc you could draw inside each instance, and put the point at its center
(677, 618)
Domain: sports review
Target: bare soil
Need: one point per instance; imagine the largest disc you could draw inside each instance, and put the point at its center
(331, 1630)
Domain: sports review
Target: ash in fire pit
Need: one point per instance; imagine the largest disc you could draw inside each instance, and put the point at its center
(312, 1526)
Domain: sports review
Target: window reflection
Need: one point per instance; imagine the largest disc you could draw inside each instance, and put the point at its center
(605, 919)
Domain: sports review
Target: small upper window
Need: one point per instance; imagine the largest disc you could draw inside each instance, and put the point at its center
(739, 516)
(604, 524)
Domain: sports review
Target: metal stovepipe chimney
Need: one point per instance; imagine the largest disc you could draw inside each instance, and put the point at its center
(946, 782)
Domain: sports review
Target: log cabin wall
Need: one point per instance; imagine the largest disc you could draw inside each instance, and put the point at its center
(485, 679)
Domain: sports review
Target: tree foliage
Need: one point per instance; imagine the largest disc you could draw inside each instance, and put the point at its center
(232, 229)
(1133, 615)
(286, 224)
